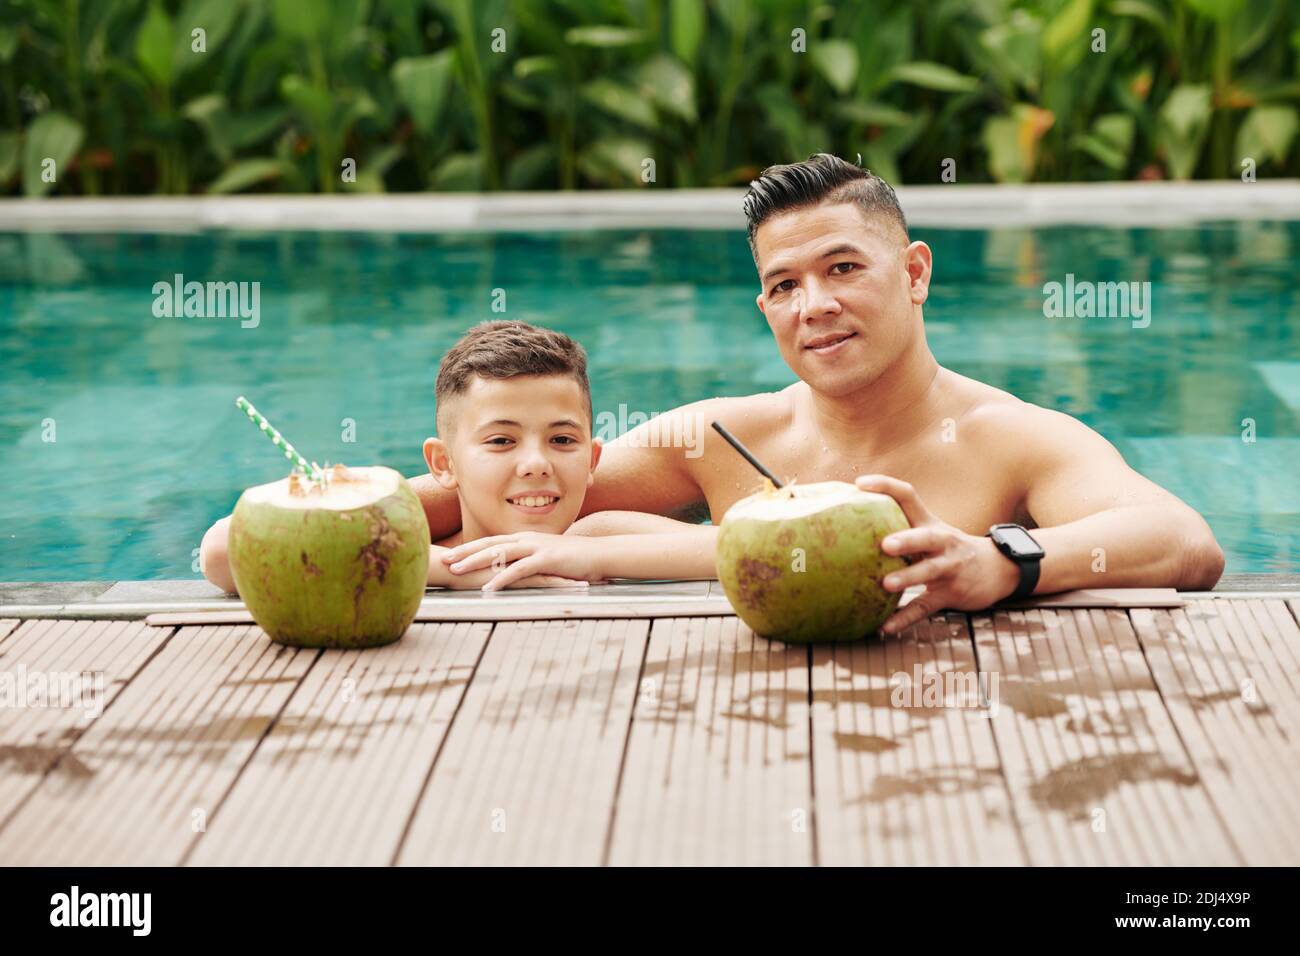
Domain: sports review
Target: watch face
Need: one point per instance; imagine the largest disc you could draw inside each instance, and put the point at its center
(1019, 541)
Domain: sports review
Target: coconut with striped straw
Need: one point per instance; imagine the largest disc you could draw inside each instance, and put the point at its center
(310, 470)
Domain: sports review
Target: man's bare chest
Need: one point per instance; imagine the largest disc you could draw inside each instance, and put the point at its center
(967, 490)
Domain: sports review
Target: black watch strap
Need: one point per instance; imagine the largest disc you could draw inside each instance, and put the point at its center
(1029, 564)
(1029, 571)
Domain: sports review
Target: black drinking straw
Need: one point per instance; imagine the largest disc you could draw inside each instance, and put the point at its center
(749, 456)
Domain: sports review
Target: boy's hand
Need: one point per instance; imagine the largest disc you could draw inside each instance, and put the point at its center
(476, 579)
(515, 557)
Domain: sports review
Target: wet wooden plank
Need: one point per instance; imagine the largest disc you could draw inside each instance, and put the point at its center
(905, 763)
(1096, 771)
(335, 780)
(158, 763)
(529, 769)
(717, 769)
(82, 667)
(1229, 675)
(510, 609)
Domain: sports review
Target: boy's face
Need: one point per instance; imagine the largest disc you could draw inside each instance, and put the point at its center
(520, 454)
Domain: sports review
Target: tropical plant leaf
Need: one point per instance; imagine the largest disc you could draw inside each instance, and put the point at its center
(1267, 133)
(1012, 142)
(459, 172)
(531, 167)
(837, 61)
(670, 86)
(245, 173)
(1014, 52)
(52, 136)
(421, 84)
(615, 161)
(871, 113)
(604, 37)
(687, 20)
(10, 149)
(1219, 10)
(621, 101)
(1109, 141)
(154, 46)
(1065, 38)
(1184, 120)
(8, 41)
(216, 17)
(935, 76)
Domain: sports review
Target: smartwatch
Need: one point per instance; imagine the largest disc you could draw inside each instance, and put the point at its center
(1019, 546)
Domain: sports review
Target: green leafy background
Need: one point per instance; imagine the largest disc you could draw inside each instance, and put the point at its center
(420, 95)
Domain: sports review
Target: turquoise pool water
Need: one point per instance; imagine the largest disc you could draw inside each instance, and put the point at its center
(121, 442)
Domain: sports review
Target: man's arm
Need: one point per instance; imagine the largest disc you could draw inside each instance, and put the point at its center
(1104, 525)
(1100, 523)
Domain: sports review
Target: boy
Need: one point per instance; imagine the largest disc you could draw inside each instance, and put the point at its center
(515, 443)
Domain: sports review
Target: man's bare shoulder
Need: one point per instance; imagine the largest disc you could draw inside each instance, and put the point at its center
(762, 411)
(1021, 429)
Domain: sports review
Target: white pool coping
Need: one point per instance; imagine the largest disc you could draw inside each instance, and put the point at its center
(951, 205)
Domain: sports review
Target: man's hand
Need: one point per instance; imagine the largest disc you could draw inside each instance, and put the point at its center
(515, 557)
(959, 570)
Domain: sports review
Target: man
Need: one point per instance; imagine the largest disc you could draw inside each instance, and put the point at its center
(843, 290)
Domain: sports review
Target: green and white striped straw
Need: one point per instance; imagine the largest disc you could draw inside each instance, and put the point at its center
(311, 469)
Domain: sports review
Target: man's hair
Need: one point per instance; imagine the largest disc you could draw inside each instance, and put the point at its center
(507, 349)
(823, 178)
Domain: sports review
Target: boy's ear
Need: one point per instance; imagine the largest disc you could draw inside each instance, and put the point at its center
(438, 457)
(597, 446)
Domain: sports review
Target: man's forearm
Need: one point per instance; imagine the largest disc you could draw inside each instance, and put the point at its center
(674, 555)
(1136, 546)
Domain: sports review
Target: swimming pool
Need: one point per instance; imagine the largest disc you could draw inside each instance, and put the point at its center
(121, 442)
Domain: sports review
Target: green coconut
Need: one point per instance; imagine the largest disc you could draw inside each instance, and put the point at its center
(803, 563)
(339, 565)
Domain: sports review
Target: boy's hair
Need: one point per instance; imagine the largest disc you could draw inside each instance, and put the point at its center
(823, 178)
(506, 349)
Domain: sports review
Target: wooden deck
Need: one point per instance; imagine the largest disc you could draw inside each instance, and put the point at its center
(1049, 736)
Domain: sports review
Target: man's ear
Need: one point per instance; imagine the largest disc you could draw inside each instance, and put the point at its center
(918, 260)
(438, 457)
(761, 301)
(597, 447)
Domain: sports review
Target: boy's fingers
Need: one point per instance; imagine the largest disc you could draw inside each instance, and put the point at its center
(515, 572)
(492, 557)
(473, 547)
(550, 581)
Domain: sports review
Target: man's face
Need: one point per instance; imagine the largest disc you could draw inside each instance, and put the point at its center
(520, 455)
(840, 294)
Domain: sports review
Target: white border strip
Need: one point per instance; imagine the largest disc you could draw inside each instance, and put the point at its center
(953, 206)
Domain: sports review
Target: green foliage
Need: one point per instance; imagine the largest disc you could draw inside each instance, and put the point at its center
(219, 96)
